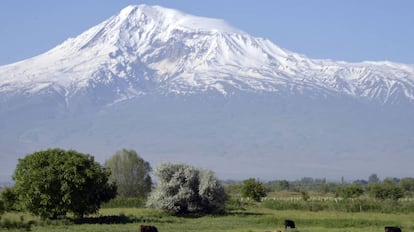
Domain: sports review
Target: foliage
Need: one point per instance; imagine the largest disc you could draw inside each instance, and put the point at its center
(327, 188)
(407, 184)
(236, 204)
(53, 182)
(305, 184)
(373, 178)
(254, 189)
(341, 205)
(385, 190)
(278, 185)
(305, 195)
(347, 190)
(183, 189)
(360, 182)
(352, 191)
(233, 188)
(283, 184)
(131, 174)
(9, 197)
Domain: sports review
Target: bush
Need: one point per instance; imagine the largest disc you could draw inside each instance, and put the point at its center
(305, 195)
(183, 189)
(386, 190)
(253, 189)
(352, 191)
(407, 184)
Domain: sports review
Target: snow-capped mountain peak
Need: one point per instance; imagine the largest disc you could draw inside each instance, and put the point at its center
(151, 49)
(169, 18)
(180, 87)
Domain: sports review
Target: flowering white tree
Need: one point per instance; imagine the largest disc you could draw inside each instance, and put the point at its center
(184, 189)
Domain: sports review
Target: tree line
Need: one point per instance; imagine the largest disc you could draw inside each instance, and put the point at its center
(390, 188)
(54, 182)
(310, 194)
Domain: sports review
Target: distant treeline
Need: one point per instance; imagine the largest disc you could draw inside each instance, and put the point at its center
(375, 188)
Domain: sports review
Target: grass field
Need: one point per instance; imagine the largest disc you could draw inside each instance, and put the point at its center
(253, 218)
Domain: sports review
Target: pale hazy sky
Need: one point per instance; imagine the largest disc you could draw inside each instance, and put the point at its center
(350, 30)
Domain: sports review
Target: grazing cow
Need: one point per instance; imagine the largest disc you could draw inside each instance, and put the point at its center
(289, 223)
(147, 228)
(392, 229)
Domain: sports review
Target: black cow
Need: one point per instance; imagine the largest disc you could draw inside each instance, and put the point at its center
(392, 229)
(289, 223)
(147, 228)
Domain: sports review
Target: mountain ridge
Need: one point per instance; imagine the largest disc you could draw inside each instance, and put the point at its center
(146, 48)
(175, 92)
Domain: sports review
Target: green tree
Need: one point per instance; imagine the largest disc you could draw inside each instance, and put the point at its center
(352, 191)
(391, 180)
(52, 182)
(283, 185)
(373, 178)
(407, 184)
(131, 173)
(361, 182)
(254, 189)
(385, 190)
(184, 189)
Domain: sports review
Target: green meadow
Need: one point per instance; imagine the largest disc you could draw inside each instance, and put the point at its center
(246, 217)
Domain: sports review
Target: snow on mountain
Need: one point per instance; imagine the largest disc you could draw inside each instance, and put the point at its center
(150, 49)
(182, 88)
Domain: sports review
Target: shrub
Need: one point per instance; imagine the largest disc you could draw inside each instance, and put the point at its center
(386, 190)
(253, 189)
(352, 191)
(183, 189)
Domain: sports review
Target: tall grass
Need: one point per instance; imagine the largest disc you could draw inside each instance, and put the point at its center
(18, 222)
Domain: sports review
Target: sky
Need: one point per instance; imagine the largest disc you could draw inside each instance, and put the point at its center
(351, 30)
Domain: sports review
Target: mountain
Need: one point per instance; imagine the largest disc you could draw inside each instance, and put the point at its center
(177, 87)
